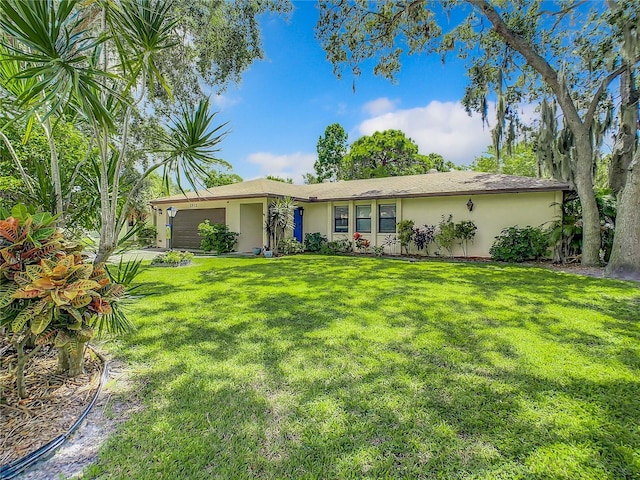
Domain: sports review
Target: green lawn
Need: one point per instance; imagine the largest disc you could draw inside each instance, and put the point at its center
(342, 367)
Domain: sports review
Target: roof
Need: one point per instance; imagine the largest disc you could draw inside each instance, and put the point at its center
(426, 185)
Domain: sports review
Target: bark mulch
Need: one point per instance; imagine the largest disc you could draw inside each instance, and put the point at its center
(54, 400)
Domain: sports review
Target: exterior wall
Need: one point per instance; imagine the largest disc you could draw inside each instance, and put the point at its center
(314, 218)
(251, 227)
(491, 213)
(233, 217)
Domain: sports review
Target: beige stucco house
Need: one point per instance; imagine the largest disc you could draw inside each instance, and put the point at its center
(371, 207)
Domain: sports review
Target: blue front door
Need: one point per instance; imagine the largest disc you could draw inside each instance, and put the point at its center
(297, 224)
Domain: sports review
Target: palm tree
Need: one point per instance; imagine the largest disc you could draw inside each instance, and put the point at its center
(96, 62)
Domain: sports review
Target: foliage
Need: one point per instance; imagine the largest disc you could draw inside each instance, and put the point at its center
(523, 373)
(173, 258)
(519, 160)
(565, 54)
(291, 246)
(387, 154)
(424, 236)
(378, 250)
(361, 243)
(336, 247)
(217, 237)
(314, 241)
(275, 178)
(147, 235)
(280, 221)
(516, 244)
(465, 231)
(446, 236)
(405, 234)
(331, 150)
(49, 295)
(99, 63)
(216, 178)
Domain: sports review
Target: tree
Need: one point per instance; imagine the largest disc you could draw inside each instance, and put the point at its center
(387, 154)
(63, 68)
(569, 56)
(216, 178)
(331, 150)
(521, 161)
(275, 178)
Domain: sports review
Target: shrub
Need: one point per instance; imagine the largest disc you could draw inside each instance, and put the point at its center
(172, 259)
(217, 237)
(147, 235)
(405, 234)
(362, 244)
(48, 295)
(337, 246)
(290, 246)
(516, 244)
(378, 250)
(423, 236)
(465, 231)
(314, 241)
(446, 235)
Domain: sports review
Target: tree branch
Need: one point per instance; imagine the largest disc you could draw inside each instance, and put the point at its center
(25, 178)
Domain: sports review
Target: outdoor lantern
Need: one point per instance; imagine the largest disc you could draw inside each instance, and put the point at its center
(159, 211)
(301, 210)
(470, 205)
(171, 211)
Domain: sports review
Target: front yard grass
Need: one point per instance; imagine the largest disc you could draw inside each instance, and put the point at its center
(340, 367)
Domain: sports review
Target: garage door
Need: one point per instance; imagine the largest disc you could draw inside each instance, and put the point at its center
(185, 226)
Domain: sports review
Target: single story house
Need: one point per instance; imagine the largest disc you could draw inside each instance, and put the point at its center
(372, 207)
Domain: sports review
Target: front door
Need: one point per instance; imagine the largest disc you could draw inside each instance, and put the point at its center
(297, 224)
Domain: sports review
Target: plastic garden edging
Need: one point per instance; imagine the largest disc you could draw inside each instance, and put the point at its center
(12, 469)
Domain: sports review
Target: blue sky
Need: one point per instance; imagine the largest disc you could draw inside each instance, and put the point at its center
(285, 102)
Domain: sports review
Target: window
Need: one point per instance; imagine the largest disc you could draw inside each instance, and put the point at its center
(341, 219)
(363, 218)
(387, 218)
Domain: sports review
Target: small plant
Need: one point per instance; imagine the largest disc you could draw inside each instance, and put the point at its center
(465, 231)
(217, 237)
(390, 241)
(405, 234)
(446, 235)
(280, 221)
(337, 246)
(172, 259)
(423, 237)
(313, 242)
(290, 246)
(516, 244)
(147, 235)
(378, 250)
(362, 244)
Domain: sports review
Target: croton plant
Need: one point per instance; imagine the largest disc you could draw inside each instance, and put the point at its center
(48, 294)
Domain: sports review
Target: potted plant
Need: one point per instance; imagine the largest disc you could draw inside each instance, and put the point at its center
(257, 251)
(267, 253)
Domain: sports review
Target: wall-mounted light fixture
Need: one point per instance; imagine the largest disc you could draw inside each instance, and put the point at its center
(470, 205)
(301, 210)
(159, 211)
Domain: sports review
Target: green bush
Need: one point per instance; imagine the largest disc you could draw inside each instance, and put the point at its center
(217, 237)
(446, 235)
(337, 246)
(516, 244)
(405, 234)
(172, 259)
(465, 231)
(290, 246)
(147, 235)
(313, 242)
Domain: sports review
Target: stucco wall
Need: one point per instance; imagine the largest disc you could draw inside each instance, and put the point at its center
(491, 213)
(233, 217)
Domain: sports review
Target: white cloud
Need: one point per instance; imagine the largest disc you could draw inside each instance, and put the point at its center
(224, 101)
(440, 127)
(379, 106)
(287, 165)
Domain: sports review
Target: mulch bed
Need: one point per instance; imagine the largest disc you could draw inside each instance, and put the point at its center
(54, 401)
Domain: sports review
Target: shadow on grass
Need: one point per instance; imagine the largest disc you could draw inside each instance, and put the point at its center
(365, 368)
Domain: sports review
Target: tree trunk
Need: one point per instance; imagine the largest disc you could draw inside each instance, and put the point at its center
(72, 362)
(583, 179)
(625, 254)
(625, 142)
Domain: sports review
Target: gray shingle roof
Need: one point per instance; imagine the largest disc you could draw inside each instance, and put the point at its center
(427, 185)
